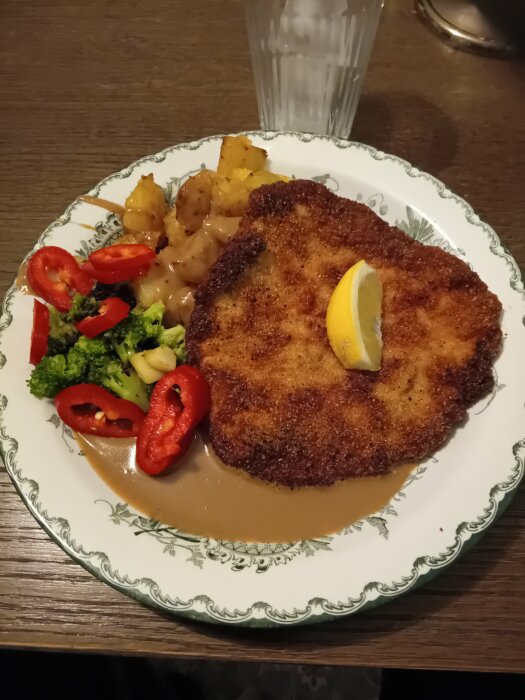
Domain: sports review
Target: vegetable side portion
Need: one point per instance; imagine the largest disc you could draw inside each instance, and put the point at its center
(73, 358)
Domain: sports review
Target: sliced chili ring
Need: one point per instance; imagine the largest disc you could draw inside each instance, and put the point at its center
(194, 399)
(88, 408)
(40, 332)
(154, 466)
(111, 311)
(112, 277)
(171, 411)
(123, 257)
(54, 274)
(172, 418)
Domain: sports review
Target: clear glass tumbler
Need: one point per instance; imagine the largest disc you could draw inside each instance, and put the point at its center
(309, 58)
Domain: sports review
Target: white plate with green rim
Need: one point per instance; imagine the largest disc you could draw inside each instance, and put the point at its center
(447, 503)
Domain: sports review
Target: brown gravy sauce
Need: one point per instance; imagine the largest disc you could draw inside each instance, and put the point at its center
(104, 203)
(21, 282)
(205, 497)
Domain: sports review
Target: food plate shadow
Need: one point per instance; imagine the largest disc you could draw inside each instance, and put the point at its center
(409, 125)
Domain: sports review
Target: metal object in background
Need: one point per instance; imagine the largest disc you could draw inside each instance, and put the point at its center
(489, 26)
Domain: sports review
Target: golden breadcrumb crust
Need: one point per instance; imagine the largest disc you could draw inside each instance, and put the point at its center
(283, 407)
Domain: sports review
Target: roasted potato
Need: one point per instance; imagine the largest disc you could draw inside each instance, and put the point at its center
(174, 229)
(229, 196)
(240, 174)
(262, 177)
(205, 216)
(192, 260)
(239, 152)
(145, 208)
(222, 228)
(193, 200)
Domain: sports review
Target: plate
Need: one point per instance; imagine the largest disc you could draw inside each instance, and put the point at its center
(442, 509)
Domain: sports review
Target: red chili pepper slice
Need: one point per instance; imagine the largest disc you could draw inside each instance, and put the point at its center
(171, 410)
(123, 257)
(110, 312)
(172, 418)
(54, 274)
(40, 332)
(113, 277)
(88, 408)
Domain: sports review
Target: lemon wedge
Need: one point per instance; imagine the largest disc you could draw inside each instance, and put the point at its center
(353, 318)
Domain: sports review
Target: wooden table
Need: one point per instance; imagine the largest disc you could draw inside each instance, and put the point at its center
(86, 88)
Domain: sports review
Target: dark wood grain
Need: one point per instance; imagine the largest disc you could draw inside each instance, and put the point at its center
(86, 88)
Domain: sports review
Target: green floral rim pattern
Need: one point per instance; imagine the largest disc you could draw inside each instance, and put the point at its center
(261, 614)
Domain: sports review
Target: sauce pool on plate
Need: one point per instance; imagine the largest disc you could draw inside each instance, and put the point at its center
(203, 496)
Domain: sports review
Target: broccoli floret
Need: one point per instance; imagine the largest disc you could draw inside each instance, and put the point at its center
(84, 352)
(62, 335)
(49, 377)
(153, 314)
(174, 339)
(137, 331)
(56, 372)
(81, 307)
(89, 347)
(110, 373)
(127, 384)
(75, 359)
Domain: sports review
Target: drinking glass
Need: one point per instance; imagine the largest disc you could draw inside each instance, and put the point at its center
(309, 59)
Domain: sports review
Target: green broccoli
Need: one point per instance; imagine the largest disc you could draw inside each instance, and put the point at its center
(103, 360)
(110, 373)
(56, 372)
(81, 307)
(174, 339)
(138, 331)
(49, 377)
(83, 353)
(89, 348)
(62, 335)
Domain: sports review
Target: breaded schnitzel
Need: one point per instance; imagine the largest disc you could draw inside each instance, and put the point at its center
(283, 407)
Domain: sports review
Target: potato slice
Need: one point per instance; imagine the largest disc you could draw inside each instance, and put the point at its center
(229, 194)
(145, 207)
(193, 200)
(174, 229)
(221, 228)
(229, 197)
(191, 260)
(263, 177)
(239, 152)
(241, 174)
